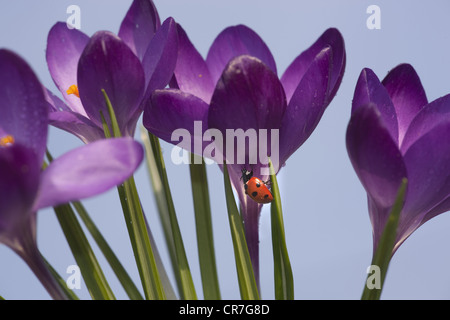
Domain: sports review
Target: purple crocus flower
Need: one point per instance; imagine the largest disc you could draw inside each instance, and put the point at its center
(128, 67)
(24, 186)
(237, 87)
(395, 133)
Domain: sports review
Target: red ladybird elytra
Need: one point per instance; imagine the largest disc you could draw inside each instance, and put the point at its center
(255, 188)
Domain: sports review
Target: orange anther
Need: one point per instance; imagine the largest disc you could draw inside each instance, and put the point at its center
(73, 89)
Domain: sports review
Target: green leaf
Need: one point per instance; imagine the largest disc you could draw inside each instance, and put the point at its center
(153, 156)
(383, 253)
(105, 126)
(136, 225)
(112, 116)
(84, 256)
(125, 280)
(203, 223)
(246, 277)
(283, 278)
(63, 285)
(143, 252)
(165, 281)
(186, 284)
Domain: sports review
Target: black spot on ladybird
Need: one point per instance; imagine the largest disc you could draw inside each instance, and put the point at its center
(254, 193)
(266, 196)
(258, 184)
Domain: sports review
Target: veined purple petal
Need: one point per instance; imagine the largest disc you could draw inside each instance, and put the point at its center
(428, 165)
(88, 171)
(160, 59)
(307, 105)
(108, 63)
(191, 73)
(247, 96)
(370, 90)
(172, 111)
(77, 125)
(139, 26)
(236, 41)
(55, 103)
(19, 172)
(64, 118)
(23, 107)
(332, 39)
(442, 207)
(64, 48)
(375, 156)
(407, 94)
(430, 116)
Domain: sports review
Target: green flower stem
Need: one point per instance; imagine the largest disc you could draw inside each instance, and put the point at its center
(203, 222)
(284, 280)
(83, 254)
(383, 252)
(246, 278)
(125, 280)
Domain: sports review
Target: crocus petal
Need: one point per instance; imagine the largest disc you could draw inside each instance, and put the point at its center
(430, 116)
(23, 107)
(236, 41)
(108, 63)
(54, 102)
(442, 207)
(139, 26)
(62, 117)
(332, 39)
(172, 111)
(370, 90)
(247, 96)
(306, 106)
(19, 172)
(407, 94)
(88, 171)
(160, 58)
(374, 155)
(64, 48)
(191, 73)
(77, 125)
(428, 165)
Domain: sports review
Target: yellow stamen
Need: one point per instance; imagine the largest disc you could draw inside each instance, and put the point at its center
(6, 141)
(73, 89)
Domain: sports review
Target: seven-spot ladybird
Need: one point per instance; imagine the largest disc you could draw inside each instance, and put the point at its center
(255, 188)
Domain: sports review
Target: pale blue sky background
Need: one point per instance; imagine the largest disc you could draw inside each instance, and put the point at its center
(325, 212)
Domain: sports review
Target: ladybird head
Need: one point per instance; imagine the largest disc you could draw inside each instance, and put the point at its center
(246, 175)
